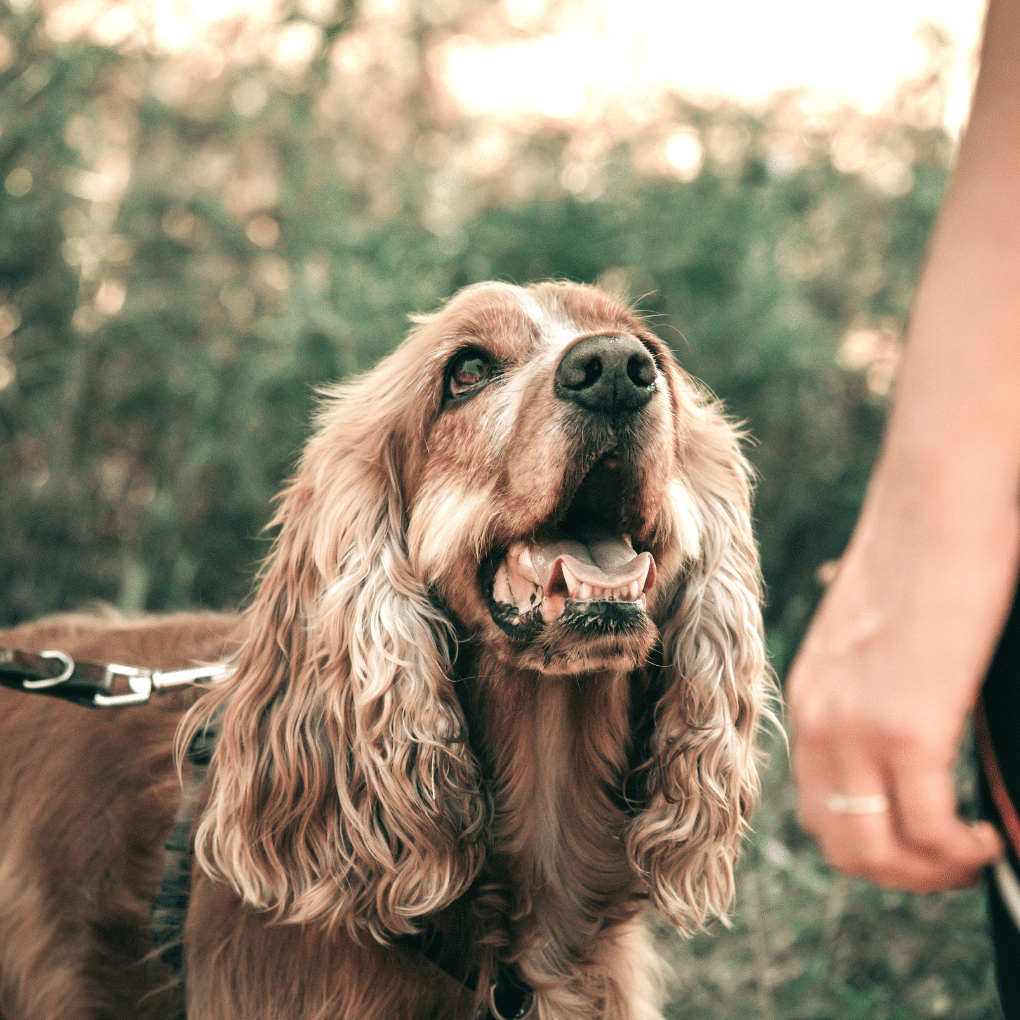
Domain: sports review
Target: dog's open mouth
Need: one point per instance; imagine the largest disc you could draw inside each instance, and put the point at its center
(543, 575)
(585, 571)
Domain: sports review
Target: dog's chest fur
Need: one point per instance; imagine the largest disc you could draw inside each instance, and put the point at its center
(563, 760)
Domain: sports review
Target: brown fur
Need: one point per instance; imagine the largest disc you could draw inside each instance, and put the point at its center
(391, 761)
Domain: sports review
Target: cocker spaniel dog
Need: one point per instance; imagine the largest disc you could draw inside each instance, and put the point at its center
(498, 689)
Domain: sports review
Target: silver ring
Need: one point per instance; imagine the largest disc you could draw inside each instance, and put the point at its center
(66, 669)
(847, 804)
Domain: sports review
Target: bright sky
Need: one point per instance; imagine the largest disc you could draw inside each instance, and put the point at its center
(613, 49)
(741, 48)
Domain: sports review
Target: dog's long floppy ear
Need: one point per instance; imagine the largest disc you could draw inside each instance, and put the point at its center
(701, 778)
(342, 789)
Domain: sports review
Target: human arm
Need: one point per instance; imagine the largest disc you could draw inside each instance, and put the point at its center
(881, 689)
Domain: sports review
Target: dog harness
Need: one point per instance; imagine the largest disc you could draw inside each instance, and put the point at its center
(102, 685)
(509, 997)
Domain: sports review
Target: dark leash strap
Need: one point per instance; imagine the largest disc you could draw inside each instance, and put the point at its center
(94, 684)
(108, 685)
(993, 775)
(1002, 871)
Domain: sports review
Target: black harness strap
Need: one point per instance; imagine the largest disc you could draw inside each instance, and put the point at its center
(509, 998)
(170, 907)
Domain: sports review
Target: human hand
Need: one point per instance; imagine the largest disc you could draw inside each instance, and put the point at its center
(880, 694)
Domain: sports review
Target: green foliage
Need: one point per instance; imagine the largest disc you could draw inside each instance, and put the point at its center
(144, 444)
(184, 259)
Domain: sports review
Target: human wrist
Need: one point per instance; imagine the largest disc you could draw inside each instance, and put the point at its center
(926, 515)
(948, 469)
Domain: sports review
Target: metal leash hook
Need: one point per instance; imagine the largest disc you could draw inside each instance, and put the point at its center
(146, 682)
(139, 680)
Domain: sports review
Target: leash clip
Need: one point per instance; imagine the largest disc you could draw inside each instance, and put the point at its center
(146, 682)
(139, 680)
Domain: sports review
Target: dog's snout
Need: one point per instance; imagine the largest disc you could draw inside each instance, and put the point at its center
(608, 374)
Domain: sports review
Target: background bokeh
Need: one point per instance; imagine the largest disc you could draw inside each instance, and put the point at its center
(207, 211)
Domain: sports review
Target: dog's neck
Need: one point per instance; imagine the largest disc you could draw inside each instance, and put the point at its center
(556, 751)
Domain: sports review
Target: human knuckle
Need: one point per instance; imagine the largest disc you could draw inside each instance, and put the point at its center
(922, 831)
(934, 880)
(812, 723)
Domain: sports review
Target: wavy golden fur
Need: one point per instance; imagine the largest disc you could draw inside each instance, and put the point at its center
(499, 686)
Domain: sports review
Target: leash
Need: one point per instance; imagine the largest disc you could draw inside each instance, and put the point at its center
(111, 685)
(95, 684)
(102, 685)
(993, 775)
(1005, 877)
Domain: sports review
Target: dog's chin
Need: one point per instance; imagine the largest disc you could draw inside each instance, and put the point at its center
(588, 636)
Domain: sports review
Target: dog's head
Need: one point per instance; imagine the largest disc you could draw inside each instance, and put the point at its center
(532, 472)
(539, 502)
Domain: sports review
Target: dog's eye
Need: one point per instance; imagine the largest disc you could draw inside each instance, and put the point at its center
(468, 370)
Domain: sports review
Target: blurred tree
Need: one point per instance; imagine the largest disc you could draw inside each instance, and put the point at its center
(192, 242)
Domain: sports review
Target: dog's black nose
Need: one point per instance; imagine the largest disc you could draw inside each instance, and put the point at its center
(609, 374)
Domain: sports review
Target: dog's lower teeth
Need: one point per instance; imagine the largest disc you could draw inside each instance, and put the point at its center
(591, 593)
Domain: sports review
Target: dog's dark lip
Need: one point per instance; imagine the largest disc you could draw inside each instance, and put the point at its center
(522, 628)
(582, 618)
(602, 618)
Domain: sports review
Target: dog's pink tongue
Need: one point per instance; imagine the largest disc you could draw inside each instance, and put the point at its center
(598, 559)
(587, 565)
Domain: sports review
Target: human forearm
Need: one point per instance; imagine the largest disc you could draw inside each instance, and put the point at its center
(956, 415)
